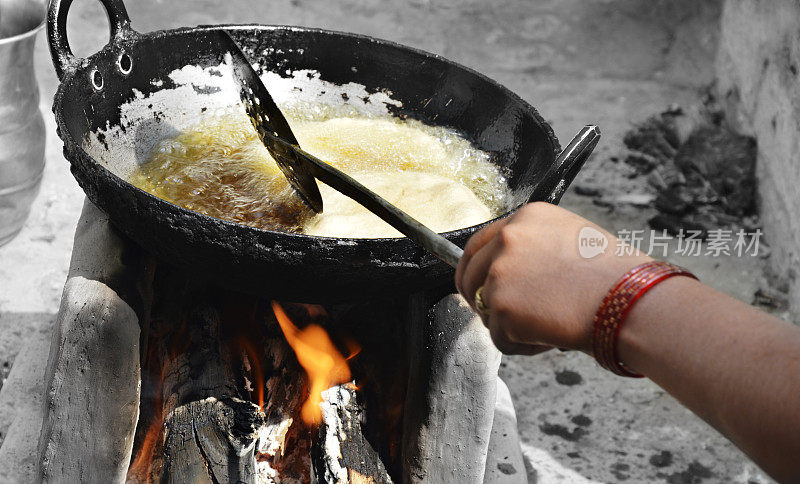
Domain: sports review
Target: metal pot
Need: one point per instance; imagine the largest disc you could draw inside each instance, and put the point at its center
(22, 133)
(111, 107)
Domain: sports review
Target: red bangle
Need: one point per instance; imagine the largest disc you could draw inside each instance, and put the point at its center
(616, 306)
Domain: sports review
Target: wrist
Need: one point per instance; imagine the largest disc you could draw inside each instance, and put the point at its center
(609, 271)
(611, 319)
(639, 335)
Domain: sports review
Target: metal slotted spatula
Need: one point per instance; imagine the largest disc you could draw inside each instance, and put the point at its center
(272, 128)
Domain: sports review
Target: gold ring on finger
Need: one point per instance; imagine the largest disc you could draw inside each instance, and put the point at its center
(479, 304)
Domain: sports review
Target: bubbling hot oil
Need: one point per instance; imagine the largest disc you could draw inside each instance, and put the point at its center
(220, 168)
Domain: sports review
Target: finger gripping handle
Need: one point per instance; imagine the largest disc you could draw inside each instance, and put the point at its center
(63, 58)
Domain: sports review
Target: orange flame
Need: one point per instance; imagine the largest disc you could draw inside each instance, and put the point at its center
(256, 373)
(318, 356)
(143, 461)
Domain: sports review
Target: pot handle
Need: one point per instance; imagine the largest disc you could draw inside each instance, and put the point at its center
(570, 162)
(63, 58)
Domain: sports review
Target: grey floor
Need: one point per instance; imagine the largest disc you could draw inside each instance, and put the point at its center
(610, 62)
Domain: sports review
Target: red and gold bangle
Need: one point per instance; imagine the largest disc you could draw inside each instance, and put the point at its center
(616, 306)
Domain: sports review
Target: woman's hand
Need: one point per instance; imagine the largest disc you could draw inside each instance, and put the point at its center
(736, 367)
(540, 292)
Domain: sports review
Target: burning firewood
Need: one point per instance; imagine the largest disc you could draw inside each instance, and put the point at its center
(204, 430)
(341, 453)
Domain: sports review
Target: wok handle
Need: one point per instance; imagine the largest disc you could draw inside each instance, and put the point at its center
(60, 51)
(570, 162)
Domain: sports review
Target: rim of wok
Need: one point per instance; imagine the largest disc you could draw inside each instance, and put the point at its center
(132, 36)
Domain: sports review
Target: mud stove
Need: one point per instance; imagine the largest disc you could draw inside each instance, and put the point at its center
(156, 376)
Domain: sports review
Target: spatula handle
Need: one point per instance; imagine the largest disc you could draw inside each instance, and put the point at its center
(406, 224)
(567, 164)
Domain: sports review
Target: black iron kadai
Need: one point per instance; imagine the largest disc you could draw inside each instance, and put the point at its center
(285, 265)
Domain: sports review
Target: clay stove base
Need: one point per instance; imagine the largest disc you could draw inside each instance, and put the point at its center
(446, 444)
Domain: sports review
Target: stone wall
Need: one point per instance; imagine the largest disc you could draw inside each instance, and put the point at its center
(758, 70)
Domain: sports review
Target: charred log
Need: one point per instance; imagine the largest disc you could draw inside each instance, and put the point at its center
(203, 428)
(284, 443)
(211, 440)
(380, 369)
(341, 453)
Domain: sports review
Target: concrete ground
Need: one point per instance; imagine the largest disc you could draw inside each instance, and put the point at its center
(610, 62)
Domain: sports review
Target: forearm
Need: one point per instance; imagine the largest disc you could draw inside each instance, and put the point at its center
(734, 366)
